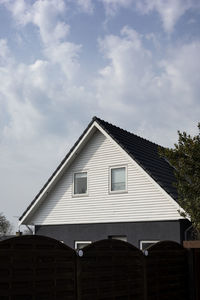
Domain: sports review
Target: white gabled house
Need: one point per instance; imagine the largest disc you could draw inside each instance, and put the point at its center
(112, 184)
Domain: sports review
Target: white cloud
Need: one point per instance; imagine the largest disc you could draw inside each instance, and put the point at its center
(50, 83)
(112, 6)
(66, 55)
(181, 72)
(128, 71)
(170, 11)
(5, 55)
(86, 6)
(42, 107)
(43, 14)
(20, 10)
(142, 91)
(32, 90)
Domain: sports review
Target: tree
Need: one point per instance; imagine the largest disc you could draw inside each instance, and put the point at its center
(185, 158)
(5, 225)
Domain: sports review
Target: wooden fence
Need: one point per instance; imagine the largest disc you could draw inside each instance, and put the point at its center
(194, 265)
(41, 268)
(111, 269)
(167, 272)
(35, 267)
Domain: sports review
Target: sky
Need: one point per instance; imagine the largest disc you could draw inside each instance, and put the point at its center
(134, 63)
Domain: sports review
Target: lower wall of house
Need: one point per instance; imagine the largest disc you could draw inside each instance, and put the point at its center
(134, 231)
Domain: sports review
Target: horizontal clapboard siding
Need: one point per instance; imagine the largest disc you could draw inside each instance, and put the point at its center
(144, 200)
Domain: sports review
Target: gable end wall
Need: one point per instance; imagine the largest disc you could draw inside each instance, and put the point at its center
(144, 201)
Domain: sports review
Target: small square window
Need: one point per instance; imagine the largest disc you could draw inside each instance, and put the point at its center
(80, 183)
(118, 179)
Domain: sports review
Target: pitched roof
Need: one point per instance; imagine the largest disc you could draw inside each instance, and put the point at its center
(144, 152)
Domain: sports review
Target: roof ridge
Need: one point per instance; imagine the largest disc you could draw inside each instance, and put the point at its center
(95, 118)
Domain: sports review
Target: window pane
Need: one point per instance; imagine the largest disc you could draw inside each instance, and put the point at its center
(118, 178)
(80, 183)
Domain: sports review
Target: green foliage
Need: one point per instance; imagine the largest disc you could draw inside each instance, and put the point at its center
(5, 226)
(185, 158)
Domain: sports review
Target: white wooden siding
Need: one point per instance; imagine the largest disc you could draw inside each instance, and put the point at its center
(144, 201)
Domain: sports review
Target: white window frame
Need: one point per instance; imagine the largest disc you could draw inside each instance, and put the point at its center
(150, 242)
(81, 242)
(126, 179)
(73, 185)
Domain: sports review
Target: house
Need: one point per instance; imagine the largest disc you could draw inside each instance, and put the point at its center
(111, 184)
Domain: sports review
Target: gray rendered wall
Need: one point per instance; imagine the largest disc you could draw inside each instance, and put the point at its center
(135, 232)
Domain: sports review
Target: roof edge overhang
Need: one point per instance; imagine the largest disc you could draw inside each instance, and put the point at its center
(88, 132)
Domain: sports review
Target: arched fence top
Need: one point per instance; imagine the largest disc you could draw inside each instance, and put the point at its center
(165, 246)
(44, 242)
(34, 242)
(112, 245)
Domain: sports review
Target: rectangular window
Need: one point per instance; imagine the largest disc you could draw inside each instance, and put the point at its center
(118, 179)
(81, 244)
(146, 244)
(80, 183)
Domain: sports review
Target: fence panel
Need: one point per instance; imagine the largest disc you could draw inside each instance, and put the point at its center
(193, 248)
(196, 262)
(167, 272)
(37, 267)
(111, 269)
